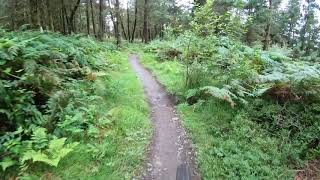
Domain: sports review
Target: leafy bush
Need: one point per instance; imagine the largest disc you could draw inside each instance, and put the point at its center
(46, 84)
(274, 93)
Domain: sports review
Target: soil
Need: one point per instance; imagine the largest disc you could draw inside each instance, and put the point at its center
(170, 146)
(310, 172)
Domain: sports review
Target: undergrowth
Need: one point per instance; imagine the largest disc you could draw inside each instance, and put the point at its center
(251, 113)
(70, 108)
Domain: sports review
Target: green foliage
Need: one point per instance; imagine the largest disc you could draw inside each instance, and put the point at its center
(41, 147)
(55, 152)
(208, 21)
(251, 113)
(69, 107)
(45, 81)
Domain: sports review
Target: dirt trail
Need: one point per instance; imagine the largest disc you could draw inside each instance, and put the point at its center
(170, 146)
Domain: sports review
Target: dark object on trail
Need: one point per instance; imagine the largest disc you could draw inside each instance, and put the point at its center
(183, 172)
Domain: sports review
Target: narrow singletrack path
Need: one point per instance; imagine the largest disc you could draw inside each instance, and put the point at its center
(170, 146)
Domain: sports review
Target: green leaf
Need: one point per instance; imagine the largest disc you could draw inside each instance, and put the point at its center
(7, 70)
(2, 62)
(57, 143)
(7, 162)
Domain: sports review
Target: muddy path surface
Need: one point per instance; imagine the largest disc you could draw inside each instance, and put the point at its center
(170, 146)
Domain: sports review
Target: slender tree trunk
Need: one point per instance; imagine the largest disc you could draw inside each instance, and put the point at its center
(50, 19)
(135, 20)
(92, 17)
(101, 20)
(155, 31)
(34, 18)
(39, 18)
(13, 14)
(115, 28)
(267, 37)
(141, 35)
(128, 20)
(43, 14)
(88, 17)
(71, 27)
(123, 29)
(78, 24)
(64, 17)
(63, 23)
(145, 22)
(25, 11)
(118, 37)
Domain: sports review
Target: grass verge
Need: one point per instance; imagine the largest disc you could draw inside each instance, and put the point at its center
(169, 73)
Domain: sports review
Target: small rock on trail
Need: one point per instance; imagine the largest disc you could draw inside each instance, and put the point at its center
(170, 146)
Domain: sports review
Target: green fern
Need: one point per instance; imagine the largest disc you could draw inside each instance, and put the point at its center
(51, 156)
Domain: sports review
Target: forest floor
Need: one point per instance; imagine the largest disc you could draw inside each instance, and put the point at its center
(170, 146)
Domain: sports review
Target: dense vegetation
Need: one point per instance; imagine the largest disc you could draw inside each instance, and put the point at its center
(60, 101)
(252, 113)
(246, 73)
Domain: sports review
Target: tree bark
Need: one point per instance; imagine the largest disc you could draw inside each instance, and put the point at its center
(135, 20)
(93, 21)
(88, 17)
(267, 37)
(128, 21)
(123, 29)
(63, 23)
(34, 17)
(13, 14)
(43, 16)
(115, 28)
(64, 17)
(118, 37)
(101, 20)
(71, 17)
(145, 22)
(50, 19)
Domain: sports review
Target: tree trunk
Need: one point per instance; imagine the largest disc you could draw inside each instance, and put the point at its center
(34, 21)
(43, 14)
(135, 20)
(101, 20)
(64, 17)
(25, 11)
(93, 21)
(145, 22)
(141, 35)
(71, 27)
(118, 37)
(128, 21)
(267, 37)
(88, 17)
(13, 14)
(50, 19)
(115, 28)
(123, 29)
(63, 23)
